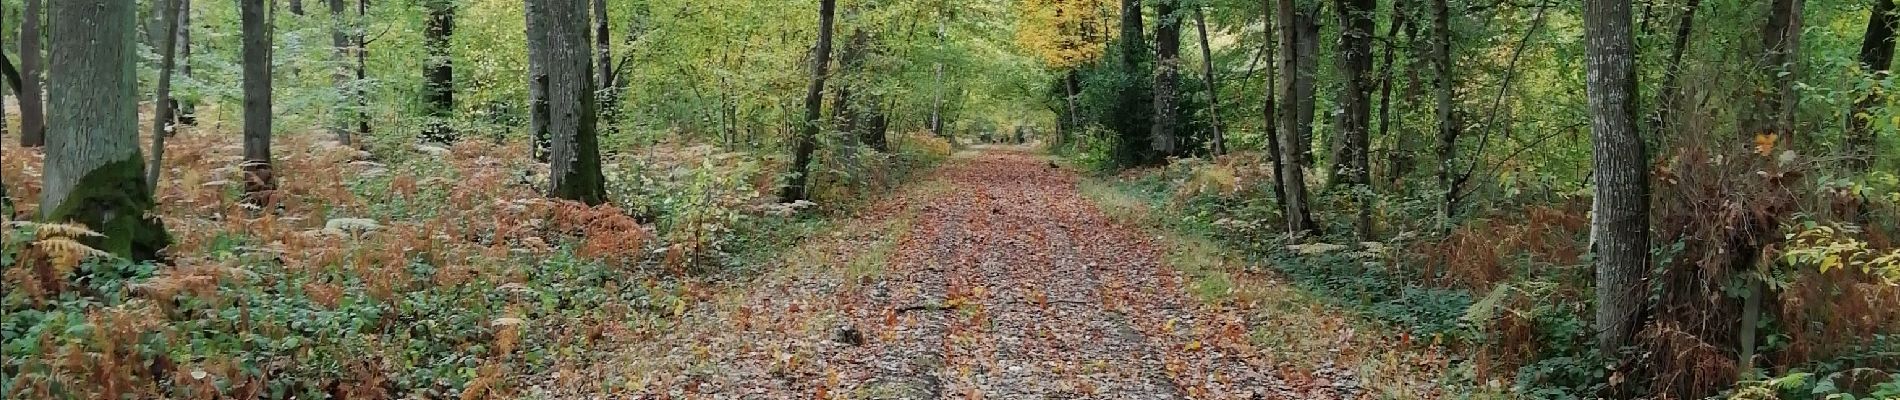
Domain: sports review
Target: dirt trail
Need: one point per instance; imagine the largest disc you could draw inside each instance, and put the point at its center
(991, 278)
(1016, 287)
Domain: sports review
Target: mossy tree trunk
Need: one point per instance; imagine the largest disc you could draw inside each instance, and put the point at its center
(560, 56)
(1163, 135)
(95, 174)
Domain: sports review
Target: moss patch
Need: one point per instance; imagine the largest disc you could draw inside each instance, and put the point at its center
(114, 200)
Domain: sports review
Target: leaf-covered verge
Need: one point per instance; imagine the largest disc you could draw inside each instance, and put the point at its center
(407, 273)
(1491, 299)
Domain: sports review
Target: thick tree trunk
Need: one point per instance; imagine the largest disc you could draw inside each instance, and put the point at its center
(1621, 211)
(1133, 39)
(1876, 57)
(1306, 83)
(259, 182)
(341, 79)
(1356, 18)
(439, 71)
(161, 123)
(560, 56)
(1448, 128)
(32, 110)
(806, 142)
(1213, 87)
(1296, 32)
(94, 173)
(1163, 137)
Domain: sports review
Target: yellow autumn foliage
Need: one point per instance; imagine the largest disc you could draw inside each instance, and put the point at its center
(1065, 33)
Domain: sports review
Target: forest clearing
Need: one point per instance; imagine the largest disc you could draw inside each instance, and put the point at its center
(943, 199)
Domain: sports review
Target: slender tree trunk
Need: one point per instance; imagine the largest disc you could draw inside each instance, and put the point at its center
(1132, 39)
(1272, 108)
(1356, 16)
(807, 138)
(1213, 86)
(843, 111)
(184, 112)
(1621, 215)
(439, 71)
(936, 103)
(1876, 57)
(1163, 137)
(361, 28)
(296, 7)
(94, 173)
(1297, 30)
(161, 123)
(1071, 88)
(1396, 151)
(561, 54)
(603, 47)
(340, 44)
(32, 111)
(1781, 41)
(1666, 107)
(259, 181)
(1448, 128)
(538, 103)
(12, 81)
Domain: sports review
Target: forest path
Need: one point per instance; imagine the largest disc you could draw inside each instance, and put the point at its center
(1015, 286)
(991, 277)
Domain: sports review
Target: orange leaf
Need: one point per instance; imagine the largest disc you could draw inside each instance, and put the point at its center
(1765, 143)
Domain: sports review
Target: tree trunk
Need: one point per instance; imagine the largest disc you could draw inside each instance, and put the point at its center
(184, 112)
(1213, 86)
(1305, 83)
(1356, 18)
(1666, 107)
(12, 81)
(560, 56)
(1163, 137)
(296, 7)
(32, 111)
(844, 113)
(1132, 37)
(1781, 44)
(1621, 209)
(1448, 128)
(1876, 57)
(340, 44)
(161, 123)
(936, 103)
(807, 138)
(362, 66)
(94, 173)
(603, 47)
(1297, 31)
(439, 72)
(1071, 88)
(1396, 156)
(1271, 108)
(259, 182)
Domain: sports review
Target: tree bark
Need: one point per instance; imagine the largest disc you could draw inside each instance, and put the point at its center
(806, 141)
(1296, 32)
(603, 47)
(1356, 18)
(1781, 44)
(439, 72)
(1396, 153)
(1876, 58)
(94, 173)
(32, 110)
(1666, 106)
(1071, 88)
(1448, 129)
(1621, 207)
(259, 181)
(340, 44)
(362, 66)
(296, 7)
(936, 103)
(1271, 108)
(184, 112)
(161, 123)
(1213, 87)
(1163, 137)
(561, 60)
